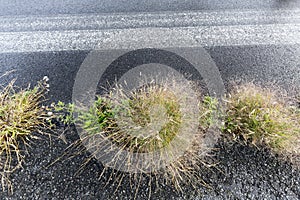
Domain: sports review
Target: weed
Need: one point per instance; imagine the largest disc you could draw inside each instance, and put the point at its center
(152, 131)
(209, 111)
(21, 114)
(292, 144)
(260, 116)
(68, 110)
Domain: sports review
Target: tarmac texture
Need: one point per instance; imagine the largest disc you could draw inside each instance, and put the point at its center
(248, 41)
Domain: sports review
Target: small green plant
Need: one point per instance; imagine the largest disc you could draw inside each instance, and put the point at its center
(260, 117)
(21, 114)
(209, 111)
(99, 117)
(64, 112)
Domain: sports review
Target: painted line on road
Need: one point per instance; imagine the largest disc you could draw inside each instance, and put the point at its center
(143, 20)
(277, 34)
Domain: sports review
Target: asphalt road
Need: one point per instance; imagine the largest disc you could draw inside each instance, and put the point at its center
(257, 41)
(44, 7)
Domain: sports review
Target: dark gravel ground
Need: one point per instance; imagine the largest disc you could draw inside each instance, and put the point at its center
(247, 173)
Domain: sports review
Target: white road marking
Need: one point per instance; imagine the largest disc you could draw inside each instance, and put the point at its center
(44, 33)
(142, 20)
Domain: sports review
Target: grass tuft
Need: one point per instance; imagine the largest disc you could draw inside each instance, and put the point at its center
(155, 130)
(261, 116)
(21, 114)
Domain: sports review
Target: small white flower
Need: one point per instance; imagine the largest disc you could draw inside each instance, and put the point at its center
(50, 113)
(46, 78)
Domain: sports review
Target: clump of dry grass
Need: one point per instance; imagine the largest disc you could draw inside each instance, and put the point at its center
(292, 149)
(152, 131)
(261, 116)
(21, 114)
(145, 121)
